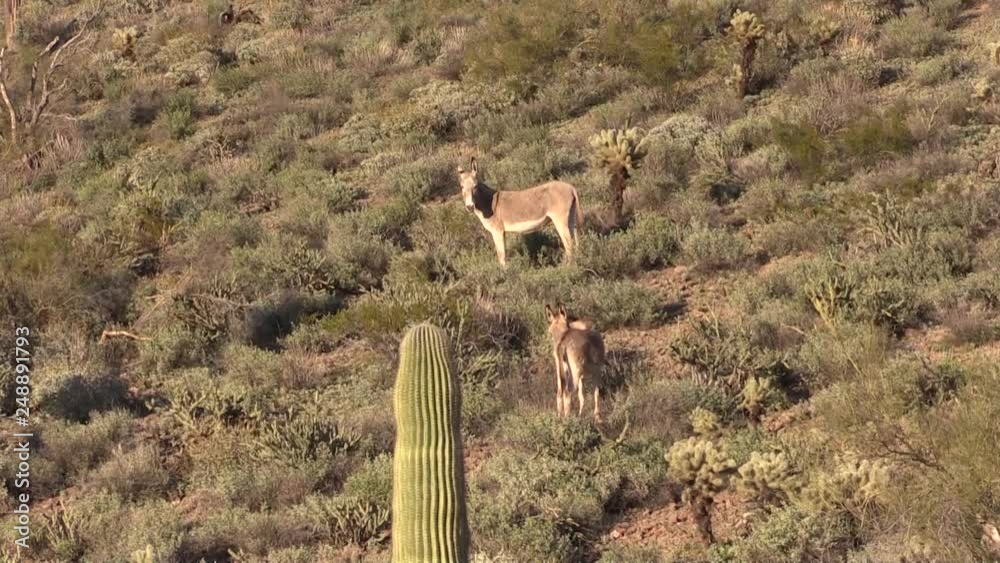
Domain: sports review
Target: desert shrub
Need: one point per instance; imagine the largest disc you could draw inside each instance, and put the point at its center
(74, 449)
(254, 484)
(422, 179)
(661, 407)
(292, 14)
(615, 304)
(525, 40)
(791, 534)
(346, 520)
(232, 80)
(251, 533)
(177, 114)
(133, 474)
(708, 249)
(939, 69)
(297, 438)
(946, 12)
(873, 136)
(725, 353)
(661, 51)
(304, 83)
(106, 528)
(806, 148)
(650, 242)
(913, 35)
(529, 508)
(561, 438)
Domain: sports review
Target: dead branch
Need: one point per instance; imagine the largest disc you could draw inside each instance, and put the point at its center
(106, 334)
(41, 86)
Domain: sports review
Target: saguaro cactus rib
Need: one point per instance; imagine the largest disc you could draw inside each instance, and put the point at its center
(429, 523)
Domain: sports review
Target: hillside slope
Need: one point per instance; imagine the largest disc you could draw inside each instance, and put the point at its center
(218, 231)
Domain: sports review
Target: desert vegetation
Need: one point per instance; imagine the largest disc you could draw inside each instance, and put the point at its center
(221, 219)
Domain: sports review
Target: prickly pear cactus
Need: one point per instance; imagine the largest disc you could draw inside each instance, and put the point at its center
(699, 466)
(768, 477)
(618, 148)
(705, 422)
(429, 523)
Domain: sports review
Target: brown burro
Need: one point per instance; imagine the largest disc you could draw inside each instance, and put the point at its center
(578, 351)
(522, 211)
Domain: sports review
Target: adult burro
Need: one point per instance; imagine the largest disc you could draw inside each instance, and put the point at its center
(522, 211)
(578, 351)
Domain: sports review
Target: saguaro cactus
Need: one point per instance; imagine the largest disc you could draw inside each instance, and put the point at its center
(619, 152)
(429, 523)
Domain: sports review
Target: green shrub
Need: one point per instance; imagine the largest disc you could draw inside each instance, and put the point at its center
(304, 83)
(524, 40)
(872, 137)
(806, 148)
(74, 449)
(178, 114)
(662, 407)
(650, 242)
(708, 249)
(230, 81)
(726, 354)
(913, 35)
(561, 438)
(346, 520)
(138, 473)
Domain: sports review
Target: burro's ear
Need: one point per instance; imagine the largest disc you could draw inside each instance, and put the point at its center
(562, 309)
(548, 313)
(475, 165)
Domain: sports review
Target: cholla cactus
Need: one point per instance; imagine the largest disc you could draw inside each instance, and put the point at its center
(703, 469)
(754, 397)
(823, 31)
(704, 422)
(747, 28)
(619, 152)
(768, 478)
(852, 488)
(124, 39)
(429, 521)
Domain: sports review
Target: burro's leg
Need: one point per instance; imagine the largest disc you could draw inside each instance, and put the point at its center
(565, 234)
(559, 384)
(499, 241)
(597, 404)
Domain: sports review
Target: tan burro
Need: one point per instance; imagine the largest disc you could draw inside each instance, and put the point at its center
(522, 211)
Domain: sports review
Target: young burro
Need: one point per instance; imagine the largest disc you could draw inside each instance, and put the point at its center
(578, 351)
(522, 211)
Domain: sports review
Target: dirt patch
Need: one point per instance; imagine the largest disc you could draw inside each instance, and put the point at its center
(668, 526)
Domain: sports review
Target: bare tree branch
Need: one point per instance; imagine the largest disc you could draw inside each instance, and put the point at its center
(11, 110)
